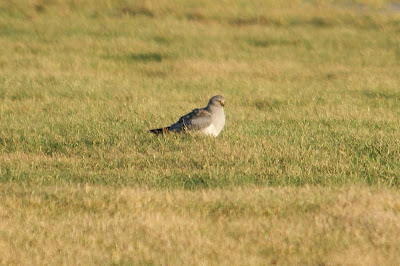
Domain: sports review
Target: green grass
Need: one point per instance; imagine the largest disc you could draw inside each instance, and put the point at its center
(312, 102)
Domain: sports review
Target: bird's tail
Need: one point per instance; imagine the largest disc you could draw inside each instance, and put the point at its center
(162, 130)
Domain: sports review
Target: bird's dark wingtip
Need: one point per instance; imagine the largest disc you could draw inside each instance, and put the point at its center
(162, 130)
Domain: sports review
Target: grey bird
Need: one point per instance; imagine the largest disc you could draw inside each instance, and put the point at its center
(209, 120)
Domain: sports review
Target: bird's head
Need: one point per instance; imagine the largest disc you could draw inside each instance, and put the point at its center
(217, 100)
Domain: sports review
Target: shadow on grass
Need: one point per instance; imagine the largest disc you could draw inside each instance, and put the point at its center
(136, 11)
(270, 104)
(161, 40)
(136, 57)
(195, 15)
(272, 42)
(261, 20)
(207, 182)
(145, 57)
(381, 95)
(290, 21)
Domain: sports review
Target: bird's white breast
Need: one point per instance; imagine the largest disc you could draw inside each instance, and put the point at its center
(211, 130)
(214, 129)
(217, 124)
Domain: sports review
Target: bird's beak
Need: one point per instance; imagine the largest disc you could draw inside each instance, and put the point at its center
(223, 104)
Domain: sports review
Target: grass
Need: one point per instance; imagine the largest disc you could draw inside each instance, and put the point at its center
(306, 170)
(96, 225)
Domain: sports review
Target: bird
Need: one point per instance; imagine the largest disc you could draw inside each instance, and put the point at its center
(209, 120)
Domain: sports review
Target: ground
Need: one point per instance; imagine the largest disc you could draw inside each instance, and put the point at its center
(306, 170)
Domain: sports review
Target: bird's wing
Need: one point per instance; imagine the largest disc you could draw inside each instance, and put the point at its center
(195, 120)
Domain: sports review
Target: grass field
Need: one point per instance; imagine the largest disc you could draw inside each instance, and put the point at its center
(306, 170)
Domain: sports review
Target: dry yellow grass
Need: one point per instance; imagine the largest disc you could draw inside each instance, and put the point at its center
(241, 226)
(306, 171)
